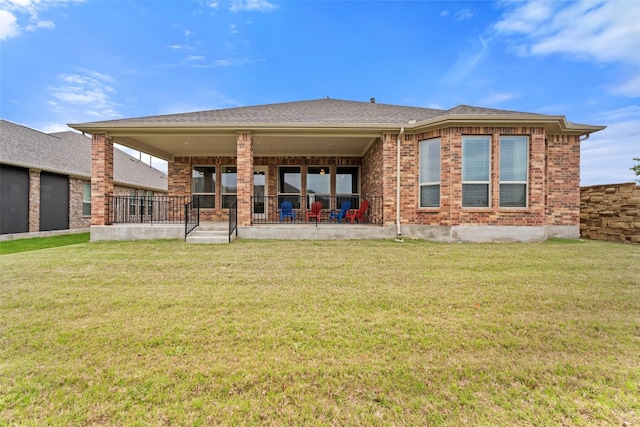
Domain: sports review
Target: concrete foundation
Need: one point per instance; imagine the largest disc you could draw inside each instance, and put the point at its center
(563, 231)
(311, 232)
(136, 232)
(16, 236)
(457, 234)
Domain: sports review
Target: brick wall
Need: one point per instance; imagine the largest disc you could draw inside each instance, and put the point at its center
(34, 200)
(563, 180)
(610, 212)
(76, 190)
(553, 190)
(451, 212)
(102, 177)
(372, 164)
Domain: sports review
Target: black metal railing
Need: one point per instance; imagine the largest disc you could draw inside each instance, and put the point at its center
(233, 219)
(147, 210)
(293, 209)
(191, 216)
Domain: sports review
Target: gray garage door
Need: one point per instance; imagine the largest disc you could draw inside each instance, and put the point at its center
(54, 202)
(14, 200)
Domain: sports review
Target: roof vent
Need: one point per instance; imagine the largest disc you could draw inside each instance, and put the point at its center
(373, 100)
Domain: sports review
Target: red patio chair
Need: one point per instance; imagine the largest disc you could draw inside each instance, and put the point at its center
(315, 212)
(359, 214)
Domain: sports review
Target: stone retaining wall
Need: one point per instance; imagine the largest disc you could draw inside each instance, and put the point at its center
(610, 212)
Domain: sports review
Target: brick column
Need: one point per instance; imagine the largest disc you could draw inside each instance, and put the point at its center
(563, 180)
(179, 176)
(389, 156)
(34, 200)
(245, 177)
(101, 178)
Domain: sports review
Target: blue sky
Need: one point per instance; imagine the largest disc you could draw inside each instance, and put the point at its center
(70, 61)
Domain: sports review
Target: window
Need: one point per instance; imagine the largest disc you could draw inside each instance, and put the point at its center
(476, 161)
(204, 185)
(348, 186)
(514, 154)
(132, 201)
(319, 185)
(289, 185)
(86, 199)
(430, 173)
(149, 202)
(229, 185)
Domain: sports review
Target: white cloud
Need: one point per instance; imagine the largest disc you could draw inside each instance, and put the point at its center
(8, 25)
(41, 24)
(91, 89)
(194, 58)
(607, 155)
(444, 13)
(498, 97)
(525, 18)
(54, 127)
(251, 6)
(601, 31)
(629, 88)
(467, 60)
(463, 14)
(13, 11)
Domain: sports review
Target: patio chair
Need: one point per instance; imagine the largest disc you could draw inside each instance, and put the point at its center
(344, 208)
(286, 211)
(359, 214)
(315, 212)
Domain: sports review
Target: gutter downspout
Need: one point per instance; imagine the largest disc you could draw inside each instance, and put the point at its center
(399, 238)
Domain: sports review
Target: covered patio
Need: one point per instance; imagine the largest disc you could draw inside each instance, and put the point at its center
(243, 173)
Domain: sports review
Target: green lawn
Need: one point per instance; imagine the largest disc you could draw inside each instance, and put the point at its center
(33, 244)
(321, 333)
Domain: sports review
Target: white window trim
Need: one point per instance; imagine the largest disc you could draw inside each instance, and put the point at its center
(429, 183)
(526, 183)
(86, 201)
(488, 183)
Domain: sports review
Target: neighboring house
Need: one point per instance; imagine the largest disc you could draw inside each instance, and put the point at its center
(464, 174)
(45, 179)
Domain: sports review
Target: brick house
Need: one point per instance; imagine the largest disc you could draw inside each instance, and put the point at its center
(45, 180)
(464, 174)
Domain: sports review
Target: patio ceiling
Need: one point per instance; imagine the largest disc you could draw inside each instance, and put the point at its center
(168, 145)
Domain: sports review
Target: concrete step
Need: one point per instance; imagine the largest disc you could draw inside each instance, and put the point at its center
(208, 236)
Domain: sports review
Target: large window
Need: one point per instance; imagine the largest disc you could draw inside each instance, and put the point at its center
(289, 185)
(204, 185)
(133, 201)
(229, 185)
(348, 186)
(319, 185)
(514, 154)
(86, 199)
(476, 170)
(430, 173)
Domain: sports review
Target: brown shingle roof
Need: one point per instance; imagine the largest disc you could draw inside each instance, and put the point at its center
(320, 111)
(69, 153)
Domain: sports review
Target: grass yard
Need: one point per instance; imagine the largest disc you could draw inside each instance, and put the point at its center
(36, 243)
(321, 333)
